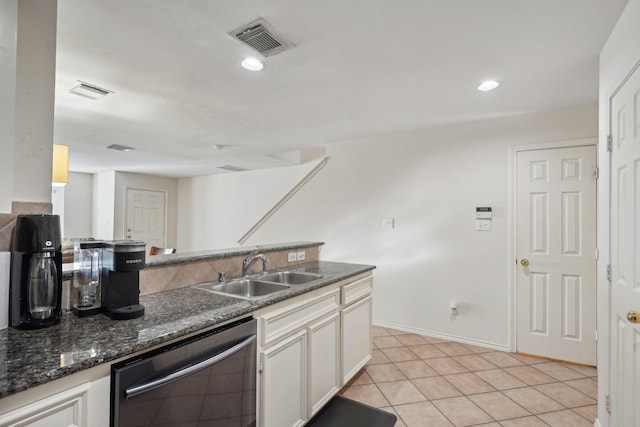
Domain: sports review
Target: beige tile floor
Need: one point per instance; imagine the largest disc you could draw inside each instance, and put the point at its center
(428, 382)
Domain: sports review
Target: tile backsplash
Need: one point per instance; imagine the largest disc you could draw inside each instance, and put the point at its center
(173, 276)
(7, 224)
(8, 220)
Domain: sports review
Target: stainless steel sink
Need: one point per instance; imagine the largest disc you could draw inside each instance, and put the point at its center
(260, 286)
(247, 288)
(290, 277)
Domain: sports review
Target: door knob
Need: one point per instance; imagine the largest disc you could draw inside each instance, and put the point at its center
(524, 262)
(633, 317)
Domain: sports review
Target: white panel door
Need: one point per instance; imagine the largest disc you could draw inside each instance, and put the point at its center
(625, 251)
(146, 216)
(556, 253)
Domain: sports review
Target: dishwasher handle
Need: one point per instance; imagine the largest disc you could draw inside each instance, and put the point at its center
(174, 376)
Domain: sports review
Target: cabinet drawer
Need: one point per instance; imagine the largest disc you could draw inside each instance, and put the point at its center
(278, 323)
(357, 290)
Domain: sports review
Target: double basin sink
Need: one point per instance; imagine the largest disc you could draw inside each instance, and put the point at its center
(259, 286)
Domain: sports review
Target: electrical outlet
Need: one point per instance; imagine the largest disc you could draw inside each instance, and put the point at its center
(483, 224)
(292, 256)
(454, 308)
(301, 255)
(388, 223)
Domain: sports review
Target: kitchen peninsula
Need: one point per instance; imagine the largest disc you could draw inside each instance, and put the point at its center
(77, 353)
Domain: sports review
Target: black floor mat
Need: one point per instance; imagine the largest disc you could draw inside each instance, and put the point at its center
(343, 412)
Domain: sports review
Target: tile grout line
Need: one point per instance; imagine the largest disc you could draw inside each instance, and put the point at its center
(489, 357)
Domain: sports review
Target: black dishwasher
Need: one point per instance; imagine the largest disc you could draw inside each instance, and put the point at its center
(205, 380)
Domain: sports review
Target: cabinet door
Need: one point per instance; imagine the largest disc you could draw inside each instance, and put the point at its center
(356, 337)
(324, 361)
(98, 405)
(65, 409)
(283, 383)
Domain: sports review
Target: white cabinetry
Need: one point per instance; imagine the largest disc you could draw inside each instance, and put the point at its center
(284, 382)
(309, 347)
(324, 361)
(67, 408)
(99, 403)
(84, 405)
(290, 388)
(356, 326)
(356, 337)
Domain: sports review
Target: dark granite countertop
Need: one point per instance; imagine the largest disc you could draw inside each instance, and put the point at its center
(31, 358)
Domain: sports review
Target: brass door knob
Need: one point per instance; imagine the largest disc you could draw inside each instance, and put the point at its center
(633, 317)
(524, 262)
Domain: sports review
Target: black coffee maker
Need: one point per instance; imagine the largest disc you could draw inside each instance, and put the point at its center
(35, 292)
(122, 261)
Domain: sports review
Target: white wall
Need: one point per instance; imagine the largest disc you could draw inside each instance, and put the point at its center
(124, 180)
(430, 181)
(109, 202)
(57, 205)
(216, 211)
(103, 205)
(34, 99)
(8, 48)
(619, 55)
(27, 72)
(78, 205)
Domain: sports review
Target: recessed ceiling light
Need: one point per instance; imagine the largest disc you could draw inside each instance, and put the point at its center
(252, 64)
(488, 85)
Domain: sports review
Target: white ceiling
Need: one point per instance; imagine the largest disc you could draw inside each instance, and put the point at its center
(358, 68)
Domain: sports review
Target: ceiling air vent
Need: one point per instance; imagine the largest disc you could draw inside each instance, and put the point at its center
(261, 37)
(231, 168)
(119, 147)
(89, 91)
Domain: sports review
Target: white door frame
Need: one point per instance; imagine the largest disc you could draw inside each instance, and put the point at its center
(511, 262)
(604, 245)
(126, 207)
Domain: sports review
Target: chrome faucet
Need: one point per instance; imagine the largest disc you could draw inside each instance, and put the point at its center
(251, 259)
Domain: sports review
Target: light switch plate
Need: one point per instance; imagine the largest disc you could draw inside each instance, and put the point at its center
(292, 256)
(388, 223)
(301, 255)
(483, 224)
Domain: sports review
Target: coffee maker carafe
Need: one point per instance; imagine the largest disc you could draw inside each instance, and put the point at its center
(35, 292)
(122, 261)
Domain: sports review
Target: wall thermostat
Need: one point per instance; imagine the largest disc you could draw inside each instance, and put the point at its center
(483, 218)
(484, 213)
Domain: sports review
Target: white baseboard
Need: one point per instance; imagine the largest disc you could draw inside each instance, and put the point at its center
(447, 337)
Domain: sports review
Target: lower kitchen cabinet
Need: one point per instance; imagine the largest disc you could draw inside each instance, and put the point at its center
(324, 361)
(85, 405)
(283, 390)
(356, 337)
(309, 347)
(67, 408)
